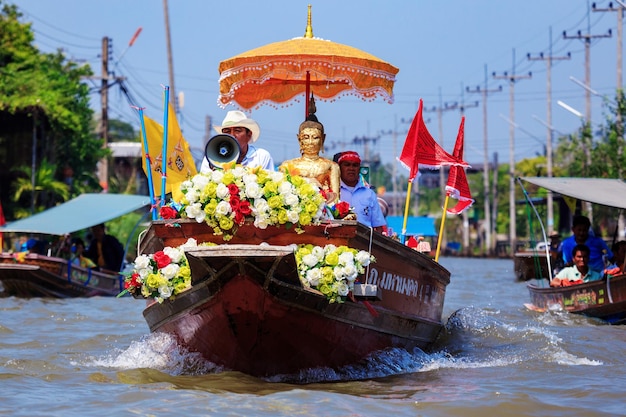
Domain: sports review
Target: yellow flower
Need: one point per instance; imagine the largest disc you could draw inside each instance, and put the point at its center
(332, 258)
(282, 216)
(228, 178)
(270, 188)
(226, 223)
(275, 201)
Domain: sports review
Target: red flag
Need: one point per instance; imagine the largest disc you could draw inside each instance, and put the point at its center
(457, 186)
(421, 148)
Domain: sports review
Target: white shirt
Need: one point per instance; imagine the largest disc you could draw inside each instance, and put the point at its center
(255, 157)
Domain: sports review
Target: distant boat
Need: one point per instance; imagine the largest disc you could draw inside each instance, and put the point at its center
(41, 275)
(604, 299)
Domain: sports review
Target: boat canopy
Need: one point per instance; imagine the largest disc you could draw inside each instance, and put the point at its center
(415, 226)
(608, 192)
(79, 213)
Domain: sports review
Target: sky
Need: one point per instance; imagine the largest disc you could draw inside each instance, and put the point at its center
(444, 50)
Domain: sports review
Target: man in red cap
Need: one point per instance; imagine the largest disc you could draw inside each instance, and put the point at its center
(358, 194)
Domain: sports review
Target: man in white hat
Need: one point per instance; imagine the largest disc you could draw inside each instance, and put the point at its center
(246, 131)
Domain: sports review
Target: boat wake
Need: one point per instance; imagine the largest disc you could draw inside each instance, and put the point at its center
(472, 338)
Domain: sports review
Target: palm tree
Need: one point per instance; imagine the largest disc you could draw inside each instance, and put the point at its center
(46, 192)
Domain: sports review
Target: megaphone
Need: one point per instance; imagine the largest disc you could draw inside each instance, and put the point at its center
(222, 149)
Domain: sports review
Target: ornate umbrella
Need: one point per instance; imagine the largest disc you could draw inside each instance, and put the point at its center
(278, 72)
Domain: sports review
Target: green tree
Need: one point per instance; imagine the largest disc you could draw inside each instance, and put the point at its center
(46, 188)
(44, 111)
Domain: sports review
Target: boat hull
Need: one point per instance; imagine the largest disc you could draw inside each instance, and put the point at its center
(247, 310)
(604, 299)
(46, 276)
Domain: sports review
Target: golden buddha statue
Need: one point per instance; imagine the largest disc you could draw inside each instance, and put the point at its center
(310, 165)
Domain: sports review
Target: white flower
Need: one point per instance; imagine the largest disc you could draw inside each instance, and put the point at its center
(217, 175)
(291, 200)
(261, 206)
(318, 251)
(194, 211)
(190, 243)
(276, 176)
(342, 288)
(200, 181)
(170, 271)
(222, 191)
(363, 258)
(262, 222)
(143, 273)
(175, 254)
(248, 179)
(223, 208)
(239, 171)
(310, 260)
(252, 190)
(285, 188)
(346, 258)
(142, 262)
(165, 291)
(350, 272)
(313, 276)
(192, 195)
(293, 216)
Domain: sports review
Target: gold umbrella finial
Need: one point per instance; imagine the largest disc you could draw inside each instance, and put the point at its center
(308, 33)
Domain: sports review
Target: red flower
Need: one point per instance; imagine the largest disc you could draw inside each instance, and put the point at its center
(168, 212)
(343, 208)
(161, 259)
(244, 208)
(233, 189)
(133, 283)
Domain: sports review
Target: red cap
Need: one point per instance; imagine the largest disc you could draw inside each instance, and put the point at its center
(349, 156)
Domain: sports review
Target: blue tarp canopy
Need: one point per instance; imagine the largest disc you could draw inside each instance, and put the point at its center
(415, 226)
(79, 213)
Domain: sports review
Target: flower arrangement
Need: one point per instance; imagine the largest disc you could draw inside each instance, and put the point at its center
(230, 197)
(161, 275)
(331, 269)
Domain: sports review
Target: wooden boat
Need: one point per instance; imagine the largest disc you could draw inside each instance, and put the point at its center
(604, 299)
(248, 311)
(37, 275)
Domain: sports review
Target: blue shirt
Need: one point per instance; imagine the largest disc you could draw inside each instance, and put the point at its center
(597, 249)
(365, 203)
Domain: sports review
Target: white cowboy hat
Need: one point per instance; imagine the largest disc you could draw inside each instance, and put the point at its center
(236, 118)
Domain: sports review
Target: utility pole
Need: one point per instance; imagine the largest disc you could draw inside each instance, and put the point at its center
(550, 132)
(439, 110)
(485, 91)
(464, 215)
(587, 126)
(103, 164)
(170, 61)
(512, 78)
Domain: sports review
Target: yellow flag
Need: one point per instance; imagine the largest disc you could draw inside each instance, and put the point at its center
(571, 203)
(180, 164)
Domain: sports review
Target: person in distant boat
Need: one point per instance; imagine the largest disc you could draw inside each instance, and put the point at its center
(599, 252)
(578, 273)
(246, 131)
(619, 252)
(105, 250)
(318, 170)
(78, 255)
(556, 252)
(359, 195)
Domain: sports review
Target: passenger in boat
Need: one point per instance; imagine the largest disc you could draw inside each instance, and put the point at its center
(619, 252)
(556, 251)
(246, 131)
(320, 171)
(578, 273)
(105, 250)
(78, 255)
(598, 249)
(359, 195)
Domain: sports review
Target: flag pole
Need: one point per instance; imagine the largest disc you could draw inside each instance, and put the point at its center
(148, 161)
(443, 221)
(164, 153)
(406, 213)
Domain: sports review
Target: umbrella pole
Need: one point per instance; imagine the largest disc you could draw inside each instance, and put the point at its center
(308, 91)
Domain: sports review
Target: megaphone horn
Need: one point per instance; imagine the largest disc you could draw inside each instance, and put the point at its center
(222, 149)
